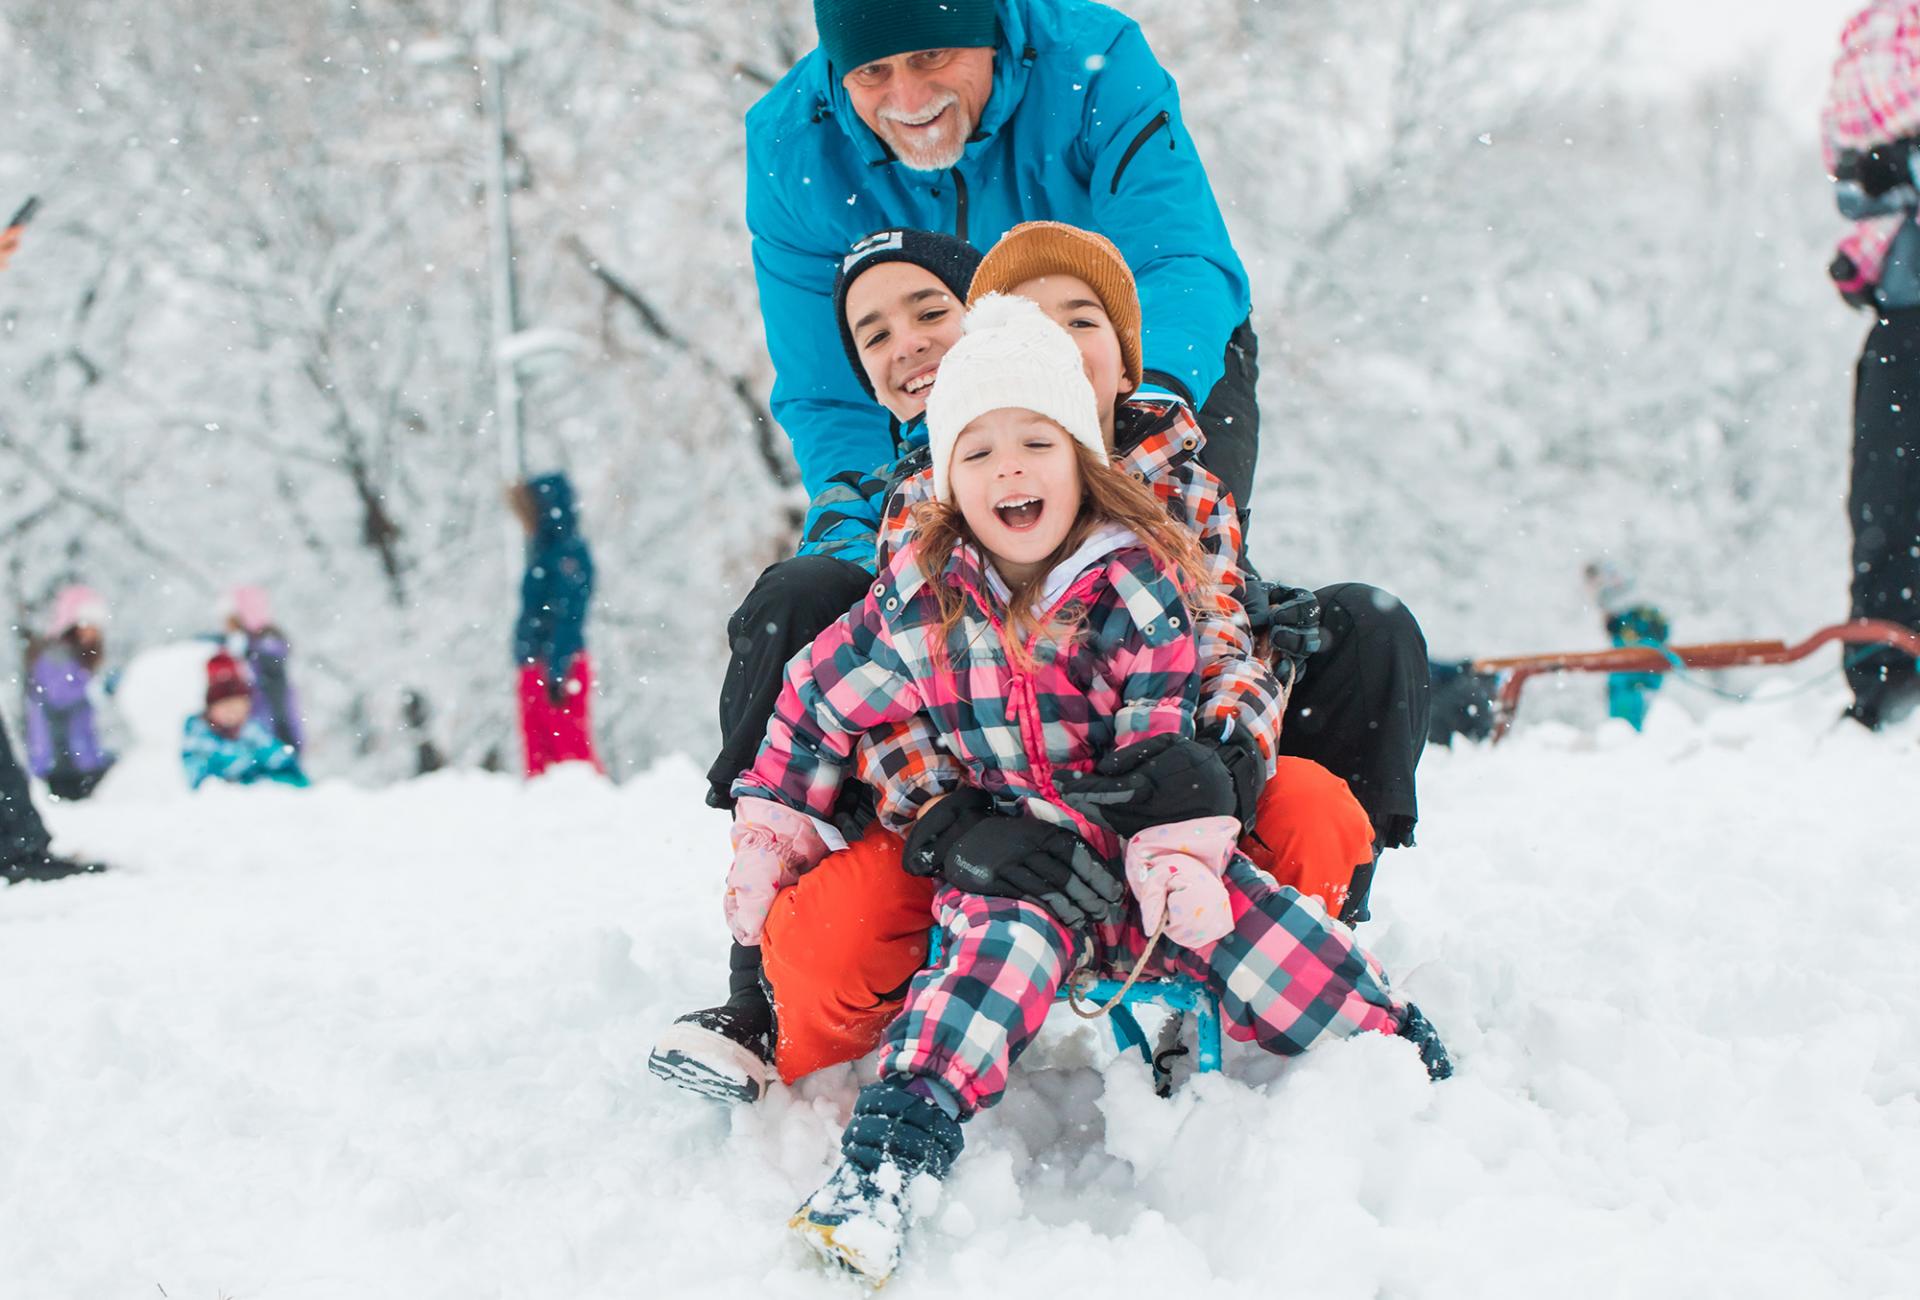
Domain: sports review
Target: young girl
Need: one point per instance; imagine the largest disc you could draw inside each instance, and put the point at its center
(1038, 621)
(225, 743)
(63, 746)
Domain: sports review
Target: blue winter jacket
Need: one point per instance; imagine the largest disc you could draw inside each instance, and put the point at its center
(558, 585)
(844, 520)
(1083, 126)
(252, 755)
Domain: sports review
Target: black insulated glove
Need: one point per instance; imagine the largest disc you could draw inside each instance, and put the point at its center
(1293, 628)
(938, 828)
(1877, 170)
(1161, 780)
(1021, 857)
(1241, 756)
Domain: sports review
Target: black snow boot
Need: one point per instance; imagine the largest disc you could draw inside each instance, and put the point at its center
(723, 1052)
(896, 1145)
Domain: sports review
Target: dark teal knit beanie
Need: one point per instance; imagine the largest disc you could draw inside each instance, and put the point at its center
(856, 32)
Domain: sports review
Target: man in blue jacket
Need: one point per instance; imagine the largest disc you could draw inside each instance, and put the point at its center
(971, 116)
(968, 117)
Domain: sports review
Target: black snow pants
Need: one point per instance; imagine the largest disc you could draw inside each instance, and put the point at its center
(1883, 501)
(791, 603)
(1360, 710)
(22, 834)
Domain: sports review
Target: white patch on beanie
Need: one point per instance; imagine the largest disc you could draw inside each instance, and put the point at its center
(1012, 355)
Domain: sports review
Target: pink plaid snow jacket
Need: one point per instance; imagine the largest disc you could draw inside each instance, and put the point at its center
(1873, 99)
(1130, 672)
(905, 765)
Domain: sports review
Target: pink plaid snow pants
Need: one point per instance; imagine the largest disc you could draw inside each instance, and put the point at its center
(1286, 976)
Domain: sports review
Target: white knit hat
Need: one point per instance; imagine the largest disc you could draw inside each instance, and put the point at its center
(1012, 355)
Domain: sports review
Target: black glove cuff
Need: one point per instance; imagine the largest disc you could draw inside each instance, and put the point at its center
(1293, 622)
(940, 826)
(1241, 755)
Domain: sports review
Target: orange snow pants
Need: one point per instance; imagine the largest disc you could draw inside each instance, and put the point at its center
(841, 944)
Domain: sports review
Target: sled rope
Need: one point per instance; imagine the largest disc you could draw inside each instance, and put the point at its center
(1081, 979)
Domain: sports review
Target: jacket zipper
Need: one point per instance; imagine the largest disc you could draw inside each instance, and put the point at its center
(1023, 701)
(960, 206)
(1162, 119)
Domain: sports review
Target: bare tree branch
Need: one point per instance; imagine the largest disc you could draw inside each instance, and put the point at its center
(757, 413)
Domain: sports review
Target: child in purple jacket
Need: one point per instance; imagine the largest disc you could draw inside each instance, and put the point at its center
(1038, 621)
(252, 638)
(63, 747)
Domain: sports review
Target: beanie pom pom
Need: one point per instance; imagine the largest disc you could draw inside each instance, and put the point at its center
(996, 310)
(1011, 356)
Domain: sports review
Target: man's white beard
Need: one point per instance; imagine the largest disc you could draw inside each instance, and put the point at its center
(937, 150)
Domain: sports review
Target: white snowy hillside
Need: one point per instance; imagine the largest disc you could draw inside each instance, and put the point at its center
(1534, 281)
(367, 1044)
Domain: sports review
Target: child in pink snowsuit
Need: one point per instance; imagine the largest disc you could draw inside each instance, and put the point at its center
(1868, 127)
(1038, 621)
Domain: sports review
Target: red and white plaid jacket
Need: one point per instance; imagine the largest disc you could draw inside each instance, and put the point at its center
(1128, 672)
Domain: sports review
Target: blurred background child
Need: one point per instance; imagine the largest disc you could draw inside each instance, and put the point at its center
(253, 639)
(63, 670)
(226, 742)
(1630, 621)
(549, 640)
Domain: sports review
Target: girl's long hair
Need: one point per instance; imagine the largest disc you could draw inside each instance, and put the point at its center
(87, 656)
(1107, 496)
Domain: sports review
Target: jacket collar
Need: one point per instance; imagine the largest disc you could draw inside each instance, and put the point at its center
(1104, 541)
(1011, 65)
(1150, 436)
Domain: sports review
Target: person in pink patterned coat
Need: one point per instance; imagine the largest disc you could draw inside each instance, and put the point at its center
(1870, 131)
(1040, 619)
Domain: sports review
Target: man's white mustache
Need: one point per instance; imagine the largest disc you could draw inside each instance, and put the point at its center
(924, 116)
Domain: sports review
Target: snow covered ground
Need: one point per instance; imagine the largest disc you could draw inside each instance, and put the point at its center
(371, 1043)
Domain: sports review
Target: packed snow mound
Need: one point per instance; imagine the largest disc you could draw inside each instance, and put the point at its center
(161, 689)
(392, 1043)
(158, 691)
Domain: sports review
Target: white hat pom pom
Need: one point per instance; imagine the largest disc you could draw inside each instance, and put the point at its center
(999, 309)
(1012, 355)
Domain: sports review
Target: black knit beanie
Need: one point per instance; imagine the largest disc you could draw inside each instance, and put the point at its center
(856, 32)
(951, 261)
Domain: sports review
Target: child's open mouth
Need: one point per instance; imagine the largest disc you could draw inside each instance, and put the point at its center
(1020, 513)
(921, 382)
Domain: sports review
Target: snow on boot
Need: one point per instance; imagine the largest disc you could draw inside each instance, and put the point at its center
(723, 1052)
(858, 1221)
(1419, 1031)
(897, 1146)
